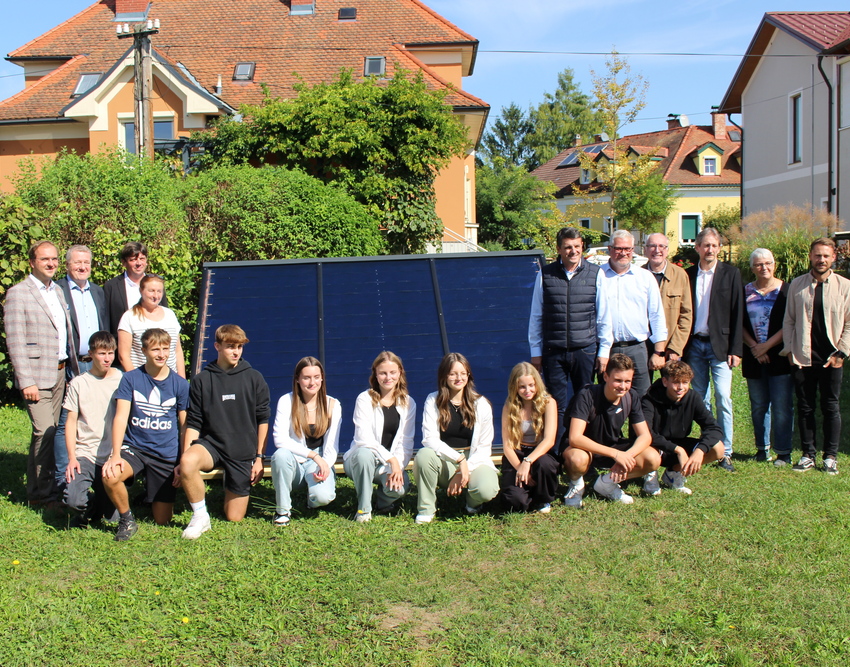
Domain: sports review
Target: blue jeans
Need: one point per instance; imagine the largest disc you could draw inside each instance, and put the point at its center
(565, 373)
(772, 405)
(60, 451)
(288, 474)
(701, 359)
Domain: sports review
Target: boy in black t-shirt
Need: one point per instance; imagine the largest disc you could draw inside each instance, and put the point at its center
(227, 426)
(597, 416)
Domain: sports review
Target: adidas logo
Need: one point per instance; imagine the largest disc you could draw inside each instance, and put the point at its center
(153, 406)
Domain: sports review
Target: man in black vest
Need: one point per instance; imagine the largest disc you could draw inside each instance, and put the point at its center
(569, 330)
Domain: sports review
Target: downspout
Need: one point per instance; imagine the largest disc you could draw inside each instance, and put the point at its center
(830, 188)
(743, 161)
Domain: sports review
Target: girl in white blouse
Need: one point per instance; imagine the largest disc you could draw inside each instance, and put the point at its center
(384, 420)
(306, 434)
(457, 439)
(529, 423)
(148, 314)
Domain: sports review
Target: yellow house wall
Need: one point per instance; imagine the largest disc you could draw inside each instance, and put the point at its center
(453, 187)
(20, 142)
(687, 204)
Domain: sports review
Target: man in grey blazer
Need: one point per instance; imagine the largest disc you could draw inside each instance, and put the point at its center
(89, 314)
(38, 328)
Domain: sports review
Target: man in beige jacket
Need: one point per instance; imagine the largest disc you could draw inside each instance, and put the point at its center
(816, 334)
(675, 296)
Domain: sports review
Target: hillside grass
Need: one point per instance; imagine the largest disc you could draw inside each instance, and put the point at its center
(752, 569)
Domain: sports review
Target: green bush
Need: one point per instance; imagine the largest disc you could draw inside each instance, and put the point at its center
(226, 213)
(787, 231)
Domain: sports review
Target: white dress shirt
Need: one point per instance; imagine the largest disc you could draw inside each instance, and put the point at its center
(131, 289)
(703, 296)
(634, 302)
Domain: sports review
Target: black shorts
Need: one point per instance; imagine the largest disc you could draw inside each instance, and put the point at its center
(669, 459)
(159, 474)
(237, 474)
(607, 462)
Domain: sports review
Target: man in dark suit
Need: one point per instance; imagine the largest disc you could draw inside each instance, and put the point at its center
(38, 328)
(87, 307)
(122, 292)
(716, 345)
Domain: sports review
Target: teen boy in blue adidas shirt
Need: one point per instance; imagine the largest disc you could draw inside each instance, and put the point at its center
(150, 416)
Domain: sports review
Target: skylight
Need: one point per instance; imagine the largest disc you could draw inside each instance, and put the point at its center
(374, 66)
(86, 82)
(244, 72)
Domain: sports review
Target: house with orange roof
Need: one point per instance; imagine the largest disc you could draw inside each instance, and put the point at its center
(211, 56)
(702, 162)
(792, 90)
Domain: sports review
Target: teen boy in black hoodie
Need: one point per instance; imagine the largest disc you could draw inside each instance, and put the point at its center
(670, 408)
(226, 426)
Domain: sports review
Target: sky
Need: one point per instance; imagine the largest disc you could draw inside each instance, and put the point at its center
(554, 35)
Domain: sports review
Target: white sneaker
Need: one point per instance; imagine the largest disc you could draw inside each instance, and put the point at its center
(650, 484)
(199, 525)
(676, 481)
(611, 490)
(281, 520)
(363, 517)
(574, 494)
(424, 518)
(830, 467)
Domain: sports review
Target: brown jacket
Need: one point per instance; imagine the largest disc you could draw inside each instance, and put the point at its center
(678, 309)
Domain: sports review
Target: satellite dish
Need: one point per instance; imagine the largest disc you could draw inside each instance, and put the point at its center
(684, 121)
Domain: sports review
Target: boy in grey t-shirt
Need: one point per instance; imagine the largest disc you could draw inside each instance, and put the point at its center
(88, 431)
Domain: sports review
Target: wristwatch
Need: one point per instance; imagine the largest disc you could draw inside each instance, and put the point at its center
(657, 353)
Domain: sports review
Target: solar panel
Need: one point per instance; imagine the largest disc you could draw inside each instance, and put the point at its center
(346, 310)
(572, 158)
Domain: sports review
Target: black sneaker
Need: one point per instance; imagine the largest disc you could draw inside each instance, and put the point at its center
(726, 464)
(782, 460)
(804, 464)
(126, 529)
(763, 456)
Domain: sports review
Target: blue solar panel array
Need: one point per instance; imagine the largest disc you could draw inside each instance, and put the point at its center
(345, 311)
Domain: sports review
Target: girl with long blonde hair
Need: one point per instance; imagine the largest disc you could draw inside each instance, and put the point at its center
(529, 424)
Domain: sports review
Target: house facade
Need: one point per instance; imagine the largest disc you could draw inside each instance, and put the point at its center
(702, 162)
(792, 90)
(211, 56)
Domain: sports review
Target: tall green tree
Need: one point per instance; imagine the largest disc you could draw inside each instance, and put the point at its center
(507, 139)
(512, 206)
(559, 118)
(381, 141)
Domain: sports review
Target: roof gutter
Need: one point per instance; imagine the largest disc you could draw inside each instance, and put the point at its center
(829, 104)
(37, 121)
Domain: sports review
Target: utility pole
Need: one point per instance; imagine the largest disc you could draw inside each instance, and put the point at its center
(143, 82)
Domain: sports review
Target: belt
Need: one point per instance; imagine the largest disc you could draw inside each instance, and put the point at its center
(84, 358)
(61, 366)
(703, 338)
(626, 343)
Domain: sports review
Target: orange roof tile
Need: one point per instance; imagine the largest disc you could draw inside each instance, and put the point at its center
(208, 37)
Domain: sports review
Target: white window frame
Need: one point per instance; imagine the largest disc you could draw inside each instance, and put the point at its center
(713, 162)
(686, 214)
(381, 60)
(584, 223)
(795, 127)
(158, 117)
(584, 177)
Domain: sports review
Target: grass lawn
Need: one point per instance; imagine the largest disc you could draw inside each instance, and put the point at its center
(753, 569)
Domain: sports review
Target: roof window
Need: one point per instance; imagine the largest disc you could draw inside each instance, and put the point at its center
(375, 66)
(86, 82)
(244, 72)
(347, 13)
(302, 8)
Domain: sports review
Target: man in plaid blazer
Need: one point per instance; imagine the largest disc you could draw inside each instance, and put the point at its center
(38, 329)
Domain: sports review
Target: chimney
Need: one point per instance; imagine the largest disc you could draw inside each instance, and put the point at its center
(718, 121)
(131, 7)
(673, 121)
(577, 141)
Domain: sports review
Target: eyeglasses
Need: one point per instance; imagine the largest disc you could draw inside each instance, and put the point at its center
(621, 251)
(763, 265)
(458, 376)
(656, 246)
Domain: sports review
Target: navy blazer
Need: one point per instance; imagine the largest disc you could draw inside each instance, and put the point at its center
(99, 303)
(116, 301)
(725, 310)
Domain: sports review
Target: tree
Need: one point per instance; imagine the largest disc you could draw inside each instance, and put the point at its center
(628, 179)
(559, 118)
(723, 218)
(512, 206)
(507, 140)
(381, 141)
